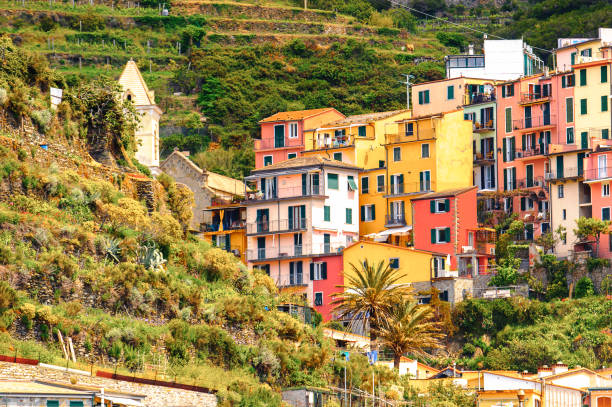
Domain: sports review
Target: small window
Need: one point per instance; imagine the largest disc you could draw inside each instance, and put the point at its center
(569, 110)
(424, 150)
(441, 205)
(365, 185)
(291, 155)
(326, 214)
(76, 404)
(361, 131)
(409, 129)
(569, 135)
(267, 160)
(349, 216)
(394, 262)
(318, 299)
(605, 190)
(450, 92)
(338, 156)
(440, 235)
(605, 213)
(583, 77)
(332, 181)
(397, 154)
(368, 213)
(424, 97)
(560, 191)
(564, 214)
(381, 163)
(604, 74)
(293, 130)
(380, 179)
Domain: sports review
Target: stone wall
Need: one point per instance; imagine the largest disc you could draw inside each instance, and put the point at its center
(458, 288)
(157, 396)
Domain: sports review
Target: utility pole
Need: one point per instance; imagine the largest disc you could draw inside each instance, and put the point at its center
(408, 84)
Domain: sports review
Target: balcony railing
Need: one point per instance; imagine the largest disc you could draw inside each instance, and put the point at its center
(488, 184)
(410, 188)
(286, 192)
(395, 220)
(276, 226)
(534, 182)
(532, 151)
(415, 135)
(474, 98)
(598, 173)
(534, 122)
(534, 97)
(333, 142)
(565, 173)
(215, 227)
(292, 251)
(486, 156)
(270, 143)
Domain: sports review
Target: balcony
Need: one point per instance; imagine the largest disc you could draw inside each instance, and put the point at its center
(534, 182)
(270, 143)
(532, 152)
(409, 188)
(485, 158)
(534, 123)
(331, 142)
(292, 251)
(276, 226)
(215, 227)
(395, 220)
(534, 98)
(411, 136)
(221, 202)
(565, 173)
(488, 125)
(283, 193)
(475, 98)
(594, 174)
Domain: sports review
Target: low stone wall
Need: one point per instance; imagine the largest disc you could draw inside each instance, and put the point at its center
(157, 396)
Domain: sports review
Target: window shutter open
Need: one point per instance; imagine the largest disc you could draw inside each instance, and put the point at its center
(604, 74)
(362, 209)
(432, 206)
(513, 177)
(523, 204)
(447, 235)
(505, 179)
(324, 270)
(512, 148)
(433, 235)
(420, 98)
(504, 150)
(303, 184)
(373, 212)
(290, 216)
(312, 271)
(303, 216)
(563, 81)
(503, 91)
(524, 142)
(447, 205)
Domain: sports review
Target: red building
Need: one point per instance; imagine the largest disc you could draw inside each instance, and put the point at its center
(282, 134)
(446, 222)
(327, 283)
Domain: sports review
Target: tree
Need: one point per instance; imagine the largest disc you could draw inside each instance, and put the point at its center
(507, 272)
(591, 227)
(410, 328)
(369, 292)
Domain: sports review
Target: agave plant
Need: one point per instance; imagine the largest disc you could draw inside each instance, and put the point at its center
(150, 257)
(112, 248)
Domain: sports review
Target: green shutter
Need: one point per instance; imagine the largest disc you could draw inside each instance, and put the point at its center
(326, 214)
(426, 96)
(512, 148)
(433, 235)
(504, 150)
(362, 213)
(447, 205)
(508, 119)
(421, 98)
(312, 271)
(450, 92)
(569, 110)
(349, 216)
(583, 106)
(302, 216)
(503, 91)
(76, 404)
(324, 270)
(290, 216)
(559, 166)
(447, 238)
(583, 78)
(332, 181)
(573, 58)
(432, 206)
(524, 142)
(361, 131)
(505, 179)
(304, 184)
(279, 136)
(604, 74)
(563, 82)
(52, 403)
(605, 134)
(513, 178)
(523, 203)
(373, 211)
(604, 103)
(584, 139)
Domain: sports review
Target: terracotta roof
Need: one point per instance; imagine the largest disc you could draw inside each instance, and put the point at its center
(365, 118)
(441, 194)
(295, 115)
(131, 80)
(307, 161)
(29, 387)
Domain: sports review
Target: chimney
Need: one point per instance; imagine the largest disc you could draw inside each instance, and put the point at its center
(471, 49)
(204, 177)
(559, 367)
(544, 371)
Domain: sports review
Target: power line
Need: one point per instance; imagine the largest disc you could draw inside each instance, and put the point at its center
(457, 24)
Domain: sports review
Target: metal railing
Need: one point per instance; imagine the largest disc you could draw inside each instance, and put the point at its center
(395, 220)
(270, 143)
(474, 98)
(533, 122)
(215, 227)
(572, 172)
(486, 156)
(331, 142)
(532, 151)
(289, 251)
(534, 97)
(275, 226)
(598, 173)
(410, 187)
(286, 192)
(535, 182)
(489, 125)
(414, 135)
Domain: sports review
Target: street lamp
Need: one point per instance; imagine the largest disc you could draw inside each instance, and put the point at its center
(521, 397)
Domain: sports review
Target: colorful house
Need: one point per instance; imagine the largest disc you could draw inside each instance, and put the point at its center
(302, 211)
(598, 176)
(571, 51)
(227, 227)
(282, 134)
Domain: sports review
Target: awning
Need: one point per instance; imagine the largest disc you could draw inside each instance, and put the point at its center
(395, 231)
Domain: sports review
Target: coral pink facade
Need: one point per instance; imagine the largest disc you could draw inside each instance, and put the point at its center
(598, 174)
(325, 288)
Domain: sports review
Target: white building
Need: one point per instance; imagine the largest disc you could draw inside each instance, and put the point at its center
(502, 59)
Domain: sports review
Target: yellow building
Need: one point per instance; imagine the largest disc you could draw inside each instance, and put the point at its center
(356, 140)
(147, 135)
(372, 201)
(429, 153)
(414, 265)
(227, 230)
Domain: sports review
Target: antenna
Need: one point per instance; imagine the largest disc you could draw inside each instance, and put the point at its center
(408, 84)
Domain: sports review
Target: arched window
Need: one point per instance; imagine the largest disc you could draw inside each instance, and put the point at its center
(604, 402)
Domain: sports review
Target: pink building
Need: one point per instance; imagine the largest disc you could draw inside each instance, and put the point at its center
(282, 134)
(304, 209)
(446, 223)
(323, 288)
(598, 175)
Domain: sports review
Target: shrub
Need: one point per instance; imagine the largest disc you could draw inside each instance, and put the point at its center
(42, 118)
(3, 96)
(165, 228)
(8, 296)
(45, 314)
(28, 310)
(219, 264)
(584, 288)
(127, 212)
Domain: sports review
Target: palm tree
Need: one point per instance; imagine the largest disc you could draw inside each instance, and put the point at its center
(368, 293)
(410, 329)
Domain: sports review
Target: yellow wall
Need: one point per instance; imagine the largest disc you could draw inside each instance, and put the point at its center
(237, 241)
(373, 197)
(414, 264)
(454, 156)
(595, 119)
(506, 398)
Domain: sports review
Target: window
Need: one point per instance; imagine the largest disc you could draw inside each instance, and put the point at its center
(509, 179)
(439, 264)
(605, 213)
(423, 97)
(296, 276)
(604, 74)
(508, 120)
(605, 134)
(564, 214)
(424, 150)
(279, 135)
(425, 181)
(267, 160)
(440, 235)
(326, 213)
(368, 213)
(583, 106)
(265, 268)
(361, 131)
(326, 242)
(52, 403)
(508, 90)
(569, 110)
(583, 77)
(338, 156)
(509, 148)
(76, 404)
(365, 185)
(409, 129)
(381, 163)
(318, 271)
(397, 184)
(318, 299)
(450, 92)
(349, 216)
(439, 205)
(291, 155)
(560, 191)
(351, 184)
(586, 52)
(604, 103)
(332, 181)
(569, 135)
(605, 190)
(293, 130)
(397, 154)
(380, 181)
(394, 262)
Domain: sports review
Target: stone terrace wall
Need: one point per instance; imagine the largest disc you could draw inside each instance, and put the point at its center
(157, 396)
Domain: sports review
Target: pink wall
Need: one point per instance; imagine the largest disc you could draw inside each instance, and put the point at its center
(335, 278)
(597, 201)
(265, 146)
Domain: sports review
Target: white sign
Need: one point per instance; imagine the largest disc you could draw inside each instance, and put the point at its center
(56, 96)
